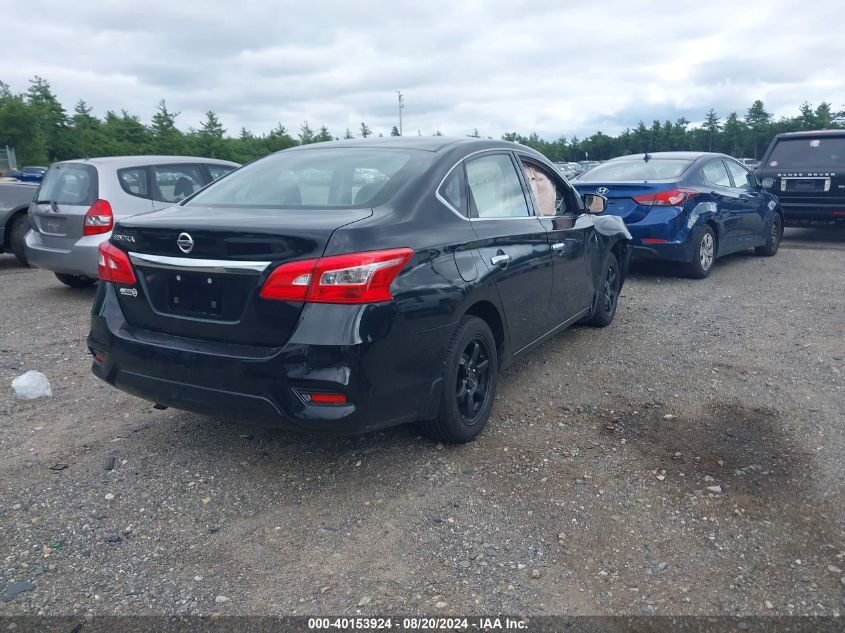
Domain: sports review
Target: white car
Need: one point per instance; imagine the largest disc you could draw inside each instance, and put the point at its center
(79, 201)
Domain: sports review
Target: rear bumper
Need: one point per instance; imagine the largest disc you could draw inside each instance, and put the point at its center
(800, 214)
(73, 258)
(670, 226)
(386, 381)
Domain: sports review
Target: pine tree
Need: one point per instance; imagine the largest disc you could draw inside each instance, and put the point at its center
(394, 131)
(166, 138)
(757, 119)
(713, 127)
(306, 134)
(365, 131)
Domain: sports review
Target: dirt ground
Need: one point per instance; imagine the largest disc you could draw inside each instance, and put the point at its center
(587, 494)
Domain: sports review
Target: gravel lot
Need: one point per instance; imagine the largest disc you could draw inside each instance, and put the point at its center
(588, 493)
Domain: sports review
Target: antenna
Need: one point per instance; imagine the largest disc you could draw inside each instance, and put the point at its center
(401, 105)
(646, 157)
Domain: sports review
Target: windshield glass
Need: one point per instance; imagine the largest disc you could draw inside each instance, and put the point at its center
(636, 170)
(313, 178)
(69, 183)
(808, 152)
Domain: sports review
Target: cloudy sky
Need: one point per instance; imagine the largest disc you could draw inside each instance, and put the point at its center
(557, 67)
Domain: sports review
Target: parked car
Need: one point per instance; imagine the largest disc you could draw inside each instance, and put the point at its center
(807, 172)
(324, 305)
(28, 174)
(79, 201)
(14, 201)
(688, 207)
(750, 163)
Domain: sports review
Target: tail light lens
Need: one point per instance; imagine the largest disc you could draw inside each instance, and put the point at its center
(98, 219)
(114, 265)
(353, 278)
(668, 198)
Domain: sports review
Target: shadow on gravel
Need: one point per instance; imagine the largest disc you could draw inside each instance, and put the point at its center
(816, 238)
(745, 450)
(646, 267)
(10, 264)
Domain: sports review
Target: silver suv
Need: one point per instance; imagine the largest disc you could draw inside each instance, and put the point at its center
(79, 201)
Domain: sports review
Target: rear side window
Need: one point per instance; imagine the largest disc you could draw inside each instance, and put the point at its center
(174, 183)
(713, 173)
(808, 153)
(218, 171)
(636, 170)
(69, 183)
(312, 178)
(495, 188)
(135, 181)
(454, 190)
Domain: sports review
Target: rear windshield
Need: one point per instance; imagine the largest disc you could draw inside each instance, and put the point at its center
(69, 183)
(313, 178)
(635, 170)
(808, 152)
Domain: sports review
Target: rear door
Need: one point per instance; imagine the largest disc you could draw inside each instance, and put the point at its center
(512, 243)
(555, 205)
(64, 197)
(729, 211)
(174, 183)
(753, 207)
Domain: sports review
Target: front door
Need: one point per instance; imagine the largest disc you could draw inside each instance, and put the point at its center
(555, 204)
(513, 245)
(752, 205)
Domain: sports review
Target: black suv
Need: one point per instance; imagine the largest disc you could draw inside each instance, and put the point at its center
(807, 172)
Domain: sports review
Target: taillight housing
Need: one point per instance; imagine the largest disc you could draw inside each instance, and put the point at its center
(98, 219)
(114, 265)
(352, 278)
(668, 198)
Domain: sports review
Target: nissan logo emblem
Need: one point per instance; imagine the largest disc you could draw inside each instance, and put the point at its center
(185, 243)
(602, 190)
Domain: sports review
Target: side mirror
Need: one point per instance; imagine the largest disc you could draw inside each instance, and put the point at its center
(594, 203)
(767, 183)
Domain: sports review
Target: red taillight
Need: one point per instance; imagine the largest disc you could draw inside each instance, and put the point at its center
(668, 198)
(352, 278)
(98, 218)
(114, 265)
(325, 398)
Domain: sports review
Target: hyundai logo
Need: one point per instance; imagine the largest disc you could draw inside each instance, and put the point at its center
(185, 243)
(602, 190)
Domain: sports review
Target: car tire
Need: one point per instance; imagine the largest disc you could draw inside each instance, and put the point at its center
(705, 253)
(469, 379)
(17, 237)
(75, 281)
(773, 238)
(607, 295)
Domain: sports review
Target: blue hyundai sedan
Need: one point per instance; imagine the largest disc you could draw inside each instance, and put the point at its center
(688, 207)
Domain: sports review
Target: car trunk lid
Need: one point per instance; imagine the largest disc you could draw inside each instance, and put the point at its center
(620, 197)
(200, 269)
(64, 197)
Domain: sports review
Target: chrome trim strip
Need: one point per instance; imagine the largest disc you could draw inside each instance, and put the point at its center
(198, 265)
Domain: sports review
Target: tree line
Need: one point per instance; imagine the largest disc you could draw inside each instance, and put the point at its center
(41, 131)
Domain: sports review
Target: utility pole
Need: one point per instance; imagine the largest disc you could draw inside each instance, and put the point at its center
(401, 105)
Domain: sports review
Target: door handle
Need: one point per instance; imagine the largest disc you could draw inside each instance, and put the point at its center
(500, 260)
(558, 246)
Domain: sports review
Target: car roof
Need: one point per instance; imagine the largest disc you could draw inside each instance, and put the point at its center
(424, 143)
(671, 155)
(811, 133)
(137, 161)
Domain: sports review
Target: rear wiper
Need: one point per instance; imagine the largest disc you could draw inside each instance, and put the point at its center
(52, 204)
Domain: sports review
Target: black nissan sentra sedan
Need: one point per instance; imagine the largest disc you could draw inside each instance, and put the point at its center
(349, 286)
